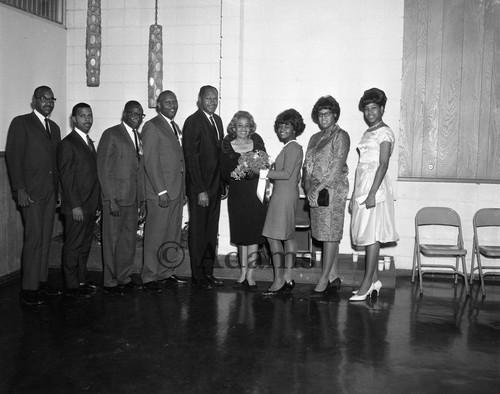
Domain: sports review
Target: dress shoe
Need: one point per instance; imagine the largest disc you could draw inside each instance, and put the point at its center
(240, 285)
(334, 285)
(376, 287)
(173, 280)
(202, 284)
(214, 281)
(362, 297)
(31, 298)
(130, 287)
(280, 291)
(113, 290)
(251, 288)
(45, 289)
(153, 287)
(79, 292)
(88, 285)
(289, 285)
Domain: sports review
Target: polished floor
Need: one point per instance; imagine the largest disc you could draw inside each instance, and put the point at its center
(188, 340)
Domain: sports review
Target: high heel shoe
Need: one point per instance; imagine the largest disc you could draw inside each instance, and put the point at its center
(288, 286)
(376, 287)
(362, 297)
(281, 290)
(334, 285)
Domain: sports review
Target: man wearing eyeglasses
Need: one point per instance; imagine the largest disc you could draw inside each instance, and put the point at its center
(121, 175)
(31, 154)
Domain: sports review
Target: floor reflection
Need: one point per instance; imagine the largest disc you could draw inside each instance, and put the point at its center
(193, 341)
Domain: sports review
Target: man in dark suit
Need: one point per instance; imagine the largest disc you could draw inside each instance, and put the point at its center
(80, 198)
(202, 136)
(121, 175)
(165, 194)
(31, 152)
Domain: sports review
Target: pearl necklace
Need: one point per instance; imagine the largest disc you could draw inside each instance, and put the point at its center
(375, 126)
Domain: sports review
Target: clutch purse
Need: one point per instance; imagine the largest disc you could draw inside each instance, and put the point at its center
(323, 198)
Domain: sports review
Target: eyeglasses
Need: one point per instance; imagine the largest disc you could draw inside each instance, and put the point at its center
(325, 114)
(44, 99)
(136, 114)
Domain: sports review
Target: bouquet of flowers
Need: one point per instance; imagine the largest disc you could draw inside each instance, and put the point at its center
(254, 160)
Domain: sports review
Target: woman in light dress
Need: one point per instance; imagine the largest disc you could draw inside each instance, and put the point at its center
(372, 202)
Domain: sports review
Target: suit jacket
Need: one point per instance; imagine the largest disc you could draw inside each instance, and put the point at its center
(163, 159)
(202, 154)
(121, 173)
(78, 173)
(32, 157)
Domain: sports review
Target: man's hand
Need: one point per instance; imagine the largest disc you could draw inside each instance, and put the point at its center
(77, 214)
(203, 199)
(164, 200)
(114, 208)
(23, 198)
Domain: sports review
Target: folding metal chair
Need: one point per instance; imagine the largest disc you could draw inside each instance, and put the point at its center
(439, 216)
(486, 217)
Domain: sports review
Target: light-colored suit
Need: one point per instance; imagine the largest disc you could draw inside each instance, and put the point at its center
(121, 176)
(165, 171)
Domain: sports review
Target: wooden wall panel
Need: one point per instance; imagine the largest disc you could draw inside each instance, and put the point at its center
(408, 94)
(468, 143)
(449, 101)
(485, 95)
(451, 123)
(11, 228)
(419, 99)
(493, 23)
(432, 82)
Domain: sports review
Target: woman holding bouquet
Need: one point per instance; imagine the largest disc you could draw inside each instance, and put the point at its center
(325, 168)
(279, 227)
(240, 147)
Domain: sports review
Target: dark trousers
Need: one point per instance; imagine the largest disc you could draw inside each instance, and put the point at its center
(77, 243)
(38, 227)
(119, 240)
(162, 225)
(203, 232)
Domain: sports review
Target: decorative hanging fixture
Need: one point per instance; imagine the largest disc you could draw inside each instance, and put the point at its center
(155, 61)
(93, 43)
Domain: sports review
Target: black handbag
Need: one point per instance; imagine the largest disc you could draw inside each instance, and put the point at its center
(323, 198)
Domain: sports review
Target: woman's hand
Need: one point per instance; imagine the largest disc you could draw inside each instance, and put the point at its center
(370, 202)
(312, 197)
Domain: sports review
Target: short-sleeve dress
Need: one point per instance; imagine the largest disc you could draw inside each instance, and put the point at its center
(325, 161)
(280, 218)
(246, 212)
(376, 224)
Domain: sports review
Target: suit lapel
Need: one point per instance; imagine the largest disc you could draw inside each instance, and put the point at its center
(40, 126)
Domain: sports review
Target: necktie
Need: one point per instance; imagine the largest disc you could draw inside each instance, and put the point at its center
(137, 148)
(47, 128)
(172, 123)
(174, 127)
(214, 127)
(91, 145)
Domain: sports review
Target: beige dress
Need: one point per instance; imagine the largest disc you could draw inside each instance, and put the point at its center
(376, 224)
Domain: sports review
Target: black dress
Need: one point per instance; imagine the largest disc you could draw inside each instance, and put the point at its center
(246, 213)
